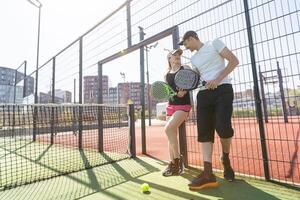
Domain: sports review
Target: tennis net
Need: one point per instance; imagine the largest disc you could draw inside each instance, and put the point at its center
(42, 141)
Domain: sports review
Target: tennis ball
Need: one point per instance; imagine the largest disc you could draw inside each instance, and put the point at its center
(145, 187)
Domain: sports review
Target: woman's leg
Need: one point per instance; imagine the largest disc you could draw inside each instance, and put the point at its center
(170, 149)
(171, 130)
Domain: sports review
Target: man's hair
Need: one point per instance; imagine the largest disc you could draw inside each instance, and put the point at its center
(187, 35)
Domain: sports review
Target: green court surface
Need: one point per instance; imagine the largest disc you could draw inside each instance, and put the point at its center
(23, 161)
(122, 180)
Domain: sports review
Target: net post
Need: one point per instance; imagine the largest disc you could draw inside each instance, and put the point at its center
(132, 145)
(282, 96)
(15, 85)
(35, 102)
(53, 100)
(34, 117)
(14, 100)
(100, 109)
(80, 96)
(256, 93)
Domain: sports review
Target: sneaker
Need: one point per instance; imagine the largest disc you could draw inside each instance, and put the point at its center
(169, 170)
(228, 172)
(173, 168)
(203, 181)
(177, 168)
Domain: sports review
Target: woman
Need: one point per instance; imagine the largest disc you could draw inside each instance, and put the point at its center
(177, 111)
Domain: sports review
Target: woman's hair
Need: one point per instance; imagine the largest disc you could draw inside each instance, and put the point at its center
(169, 65)
(168, 69)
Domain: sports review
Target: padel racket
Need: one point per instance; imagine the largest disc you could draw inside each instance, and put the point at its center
(162, 91)
(188, 79)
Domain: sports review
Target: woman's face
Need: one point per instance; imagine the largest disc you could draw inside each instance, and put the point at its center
(175, 59)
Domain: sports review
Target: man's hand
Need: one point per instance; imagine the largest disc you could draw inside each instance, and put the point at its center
(181, 93)
(212, 84)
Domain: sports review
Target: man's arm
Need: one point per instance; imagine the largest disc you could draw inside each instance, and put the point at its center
(232, 63)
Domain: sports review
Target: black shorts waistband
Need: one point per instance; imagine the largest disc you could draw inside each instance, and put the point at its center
(225, 86)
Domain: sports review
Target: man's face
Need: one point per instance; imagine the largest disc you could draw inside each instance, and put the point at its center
(190, 44)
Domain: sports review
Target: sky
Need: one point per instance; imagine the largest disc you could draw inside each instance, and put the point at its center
(62, 21)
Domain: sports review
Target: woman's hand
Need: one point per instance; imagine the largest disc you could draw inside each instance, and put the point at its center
(181, 93)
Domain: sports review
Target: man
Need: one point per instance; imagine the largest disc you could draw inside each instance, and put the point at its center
(214, 103)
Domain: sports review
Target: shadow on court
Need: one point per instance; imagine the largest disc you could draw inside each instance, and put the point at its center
(239, 189)
(122, 180)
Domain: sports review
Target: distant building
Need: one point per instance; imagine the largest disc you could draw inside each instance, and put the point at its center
(66, 96)
(132, 90)
(47, 98)
(123, 93)
(13, 87)
(91, 89)
(113, 95)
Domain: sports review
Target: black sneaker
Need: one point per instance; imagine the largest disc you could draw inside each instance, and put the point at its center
(173, 169)
(169, 170)
(228, 172)
(203, 181)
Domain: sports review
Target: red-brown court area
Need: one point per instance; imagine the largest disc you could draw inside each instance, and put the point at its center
(282, 141)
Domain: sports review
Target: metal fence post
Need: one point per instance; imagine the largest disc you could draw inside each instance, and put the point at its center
(100, 109)
(14, 101)
(80, 96)
(282, 96)
(182, 127)
(132, 147)
(142, 76)
(52, 100)
(265, 108)
(15, 85)
(128, 12)
(34, 117)
(256, 94)
(25, 80)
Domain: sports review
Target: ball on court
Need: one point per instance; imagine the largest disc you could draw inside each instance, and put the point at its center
(145, 187)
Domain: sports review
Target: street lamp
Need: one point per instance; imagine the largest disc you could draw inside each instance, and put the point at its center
(147, 73)
(123, 76)
(38, 5)
(124, 86)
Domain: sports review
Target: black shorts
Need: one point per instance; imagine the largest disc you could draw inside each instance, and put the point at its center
(214, 112)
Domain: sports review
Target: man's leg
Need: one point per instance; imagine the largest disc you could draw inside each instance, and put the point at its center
(226, 143)
(224, 127)
(207, 150)
(205, 127)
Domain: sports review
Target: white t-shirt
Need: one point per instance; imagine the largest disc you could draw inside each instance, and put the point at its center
(209, 62)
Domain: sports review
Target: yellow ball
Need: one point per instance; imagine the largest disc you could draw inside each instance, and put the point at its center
(145, 187)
